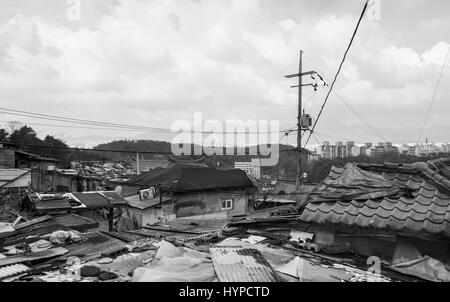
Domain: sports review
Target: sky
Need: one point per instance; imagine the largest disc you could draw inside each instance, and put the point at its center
(152, 63)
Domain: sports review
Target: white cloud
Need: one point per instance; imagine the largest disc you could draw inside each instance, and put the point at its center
(167, 59)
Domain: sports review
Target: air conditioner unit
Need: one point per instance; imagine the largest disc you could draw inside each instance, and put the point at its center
(147, 194)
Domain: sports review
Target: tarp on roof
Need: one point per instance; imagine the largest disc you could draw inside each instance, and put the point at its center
(185, 179)
(93, 200)
(356, 184)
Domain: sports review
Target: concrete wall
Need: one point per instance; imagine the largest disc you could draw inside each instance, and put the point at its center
(151, 215)
(210, 203)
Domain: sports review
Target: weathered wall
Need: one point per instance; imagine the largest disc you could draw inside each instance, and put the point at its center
(151, 215)
(208, 203)
(383, 244)
(50, 181)
(7, 159)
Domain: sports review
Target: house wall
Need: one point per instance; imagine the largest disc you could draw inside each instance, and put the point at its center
(209, 204)
(98, 215)
(50, 181)
(7, 159)
(363, 242)
(151, 215)
(43, 181)
(383, 244)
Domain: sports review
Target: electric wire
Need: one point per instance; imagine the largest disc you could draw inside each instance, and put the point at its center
(338, 71)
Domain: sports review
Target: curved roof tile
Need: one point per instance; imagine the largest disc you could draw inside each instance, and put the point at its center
(427, 210)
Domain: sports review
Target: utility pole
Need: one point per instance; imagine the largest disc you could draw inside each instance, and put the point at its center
(298, 180)
(301, 119)
(138, 170)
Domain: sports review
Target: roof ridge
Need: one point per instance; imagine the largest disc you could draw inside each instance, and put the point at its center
(380, 216)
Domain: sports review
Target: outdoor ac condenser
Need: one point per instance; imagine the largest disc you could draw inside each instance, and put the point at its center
(147, 193)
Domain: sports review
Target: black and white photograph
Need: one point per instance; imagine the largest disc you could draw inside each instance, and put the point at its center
(222, 146)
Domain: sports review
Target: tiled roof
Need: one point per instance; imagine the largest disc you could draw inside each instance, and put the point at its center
(425, 210)
(192, 179)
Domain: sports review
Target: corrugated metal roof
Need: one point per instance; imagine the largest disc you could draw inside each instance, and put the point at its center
(12, 270)
(427, 209)
(236, 264)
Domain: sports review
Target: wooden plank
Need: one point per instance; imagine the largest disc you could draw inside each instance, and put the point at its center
(32, 222)
(58, 251)
(171, 230)
(284, 238)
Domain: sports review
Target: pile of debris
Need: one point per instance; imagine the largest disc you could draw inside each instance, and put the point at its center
(43, 250)
(112, 171)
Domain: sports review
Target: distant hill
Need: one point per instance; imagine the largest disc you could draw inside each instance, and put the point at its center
(225, 161)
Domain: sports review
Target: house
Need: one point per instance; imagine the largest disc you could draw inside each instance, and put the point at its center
(148, 211)
(64, 181)
(13, 157)
(20, 170)
(17, 167)
(199, 192)
(98, 206)
(397, 212)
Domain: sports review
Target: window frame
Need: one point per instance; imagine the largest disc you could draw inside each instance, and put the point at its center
(225, 202)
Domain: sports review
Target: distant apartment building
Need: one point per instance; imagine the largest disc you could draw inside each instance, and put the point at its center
(430, 149)
(340, 150)
(349, 149)
(252, 168)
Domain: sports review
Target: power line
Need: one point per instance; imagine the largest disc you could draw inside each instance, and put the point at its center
(93, 150)
(434, 96)
(338, 71)
(333, 136)
(111, 150)
(75, 121)
(69, 126)
(115, 126)
(360, 118)
(326, 159)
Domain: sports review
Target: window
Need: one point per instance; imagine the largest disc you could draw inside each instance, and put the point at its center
(227, 204)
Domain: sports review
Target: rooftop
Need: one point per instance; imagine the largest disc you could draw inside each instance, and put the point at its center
(407, 198)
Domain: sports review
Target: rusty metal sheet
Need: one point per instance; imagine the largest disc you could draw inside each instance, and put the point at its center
(236, 264)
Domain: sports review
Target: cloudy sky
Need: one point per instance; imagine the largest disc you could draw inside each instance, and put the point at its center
(150, 63)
